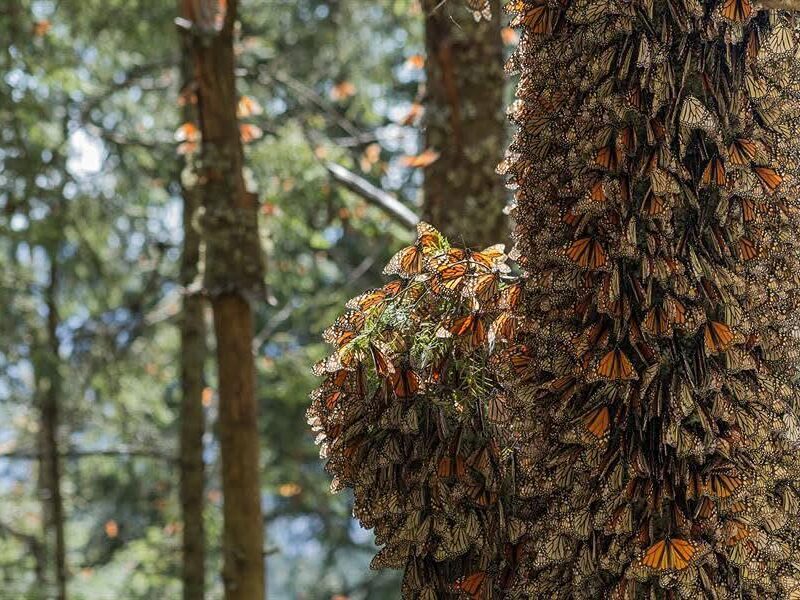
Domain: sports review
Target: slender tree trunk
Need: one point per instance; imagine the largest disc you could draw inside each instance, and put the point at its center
(464, 196)
(233, 272)
(49, 384)
(193, 357)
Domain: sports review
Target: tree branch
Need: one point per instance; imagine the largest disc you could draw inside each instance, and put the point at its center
(781, 4)
(76, 454)
(375, 196)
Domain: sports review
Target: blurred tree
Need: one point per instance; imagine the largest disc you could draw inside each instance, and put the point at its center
(233, 275)
(464, 124)
(193, 348)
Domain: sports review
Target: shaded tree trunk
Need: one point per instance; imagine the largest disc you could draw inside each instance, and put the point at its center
(464, 197)
(192, 357)
(49, 389)
(233, 272)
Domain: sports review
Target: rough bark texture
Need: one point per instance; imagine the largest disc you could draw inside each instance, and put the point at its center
(49, 387)
(192, 417)
(233, 270)
(464, 123)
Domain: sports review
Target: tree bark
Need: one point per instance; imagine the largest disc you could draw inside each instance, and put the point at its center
(193, 357)
(463, 195)
(49, 388)
(233, 272)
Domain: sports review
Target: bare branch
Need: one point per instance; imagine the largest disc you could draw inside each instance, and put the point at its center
(781, 4)
(375, 196)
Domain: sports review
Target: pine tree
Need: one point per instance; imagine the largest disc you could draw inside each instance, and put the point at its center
(620, 421)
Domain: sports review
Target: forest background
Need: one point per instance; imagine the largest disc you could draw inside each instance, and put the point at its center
(356, 116)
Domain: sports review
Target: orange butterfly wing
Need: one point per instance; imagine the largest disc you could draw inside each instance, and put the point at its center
(769, 178)
(737, 10)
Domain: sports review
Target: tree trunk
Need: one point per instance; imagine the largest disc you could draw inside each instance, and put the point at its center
(464, 196)
(193, 357)
(49, 384)
(233, 272)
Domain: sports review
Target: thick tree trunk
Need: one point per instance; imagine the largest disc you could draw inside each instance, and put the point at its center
(233, 270)
(464, 197)
(49, 389)
(193, 357)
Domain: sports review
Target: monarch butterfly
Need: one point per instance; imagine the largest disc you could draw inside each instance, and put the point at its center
(769, 178)
(521, 362)
(598, 422)
(504, 327)
(747, 249)
(742, 151)
(597, 193)
(714, 173)
(669, 554)
(485, 287)
(718, 337)
(383, 366)
(571, 218)
(474, 585)
(452, 466)
(490, 257)
(497, 411)
(737, 10)
(480, 9)
(657, 322)
(470, 325)
(406, 263)
(723, 484)
(607, 158)
(344, 329)
(695, 115)
(409, 261)
(538, 19)
(377, 297)
(748, 209)
(675, 310)
(626, 140)
(587, 253)
(653, 205)
(449, 278)
(404, 382)
(510, 295)
(615, 366)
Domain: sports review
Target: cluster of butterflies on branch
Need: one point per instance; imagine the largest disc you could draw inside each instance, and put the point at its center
(620, 421)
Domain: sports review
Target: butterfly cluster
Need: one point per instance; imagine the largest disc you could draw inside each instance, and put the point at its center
(621, 420)
(411, 417)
